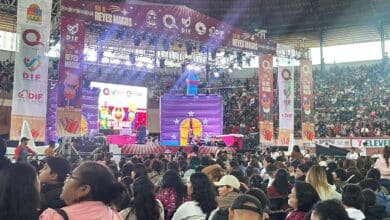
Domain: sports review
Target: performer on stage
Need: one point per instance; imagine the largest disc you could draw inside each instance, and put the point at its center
(22, 151)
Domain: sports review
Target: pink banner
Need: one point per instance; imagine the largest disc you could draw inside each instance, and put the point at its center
(70, 77)
(168, 21)
(266, 97)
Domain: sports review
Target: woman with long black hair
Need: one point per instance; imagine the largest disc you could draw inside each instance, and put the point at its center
(19, 192)
(279, 190)
(203, 199)
(172, 193)
(144, 204)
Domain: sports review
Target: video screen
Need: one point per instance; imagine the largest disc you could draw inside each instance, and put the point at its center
(121, 106)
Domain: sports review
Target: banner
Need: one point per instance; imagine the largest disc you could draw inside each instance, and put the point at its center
(166, 21)
(51, 115)
(70, 81)
(286, 104)
(90, 109)
(370, 142)
(355, 142)
(31, 68)
(306, 90)
(186, 118)
(266, 98)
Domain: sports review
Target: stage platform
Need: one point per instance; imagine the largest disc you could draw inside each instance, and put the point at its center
(152, 148)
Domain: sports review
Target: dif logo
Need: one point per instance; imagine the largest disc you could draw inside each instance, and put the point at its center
(30, 96)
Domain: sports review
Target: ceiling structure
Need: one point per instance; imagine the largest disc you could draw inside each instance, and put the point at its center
(287, 21)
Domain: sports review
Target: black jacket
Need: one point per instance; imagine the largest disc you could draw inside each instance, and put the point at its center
(375, 212)
(50, 196)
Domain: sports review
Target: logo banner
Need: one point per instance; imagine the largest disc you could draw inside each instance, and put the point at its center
(29, 99)
(286, 104)
(306, 90)
(70, 81)
(266, 97)
(169, 20)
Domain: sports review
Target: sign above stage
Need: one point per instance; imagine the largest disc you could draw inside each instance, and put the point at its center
(167, 21)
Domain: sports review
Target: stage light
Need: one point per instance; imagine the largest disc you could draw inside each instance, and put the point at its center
(190, 67)
(197, 68)
(150, 66)
(230, 70)
(116, 61)
(105, 60)
(137, 40)
(132, 58)
(216, 74)
(139, 65)
(128, 63)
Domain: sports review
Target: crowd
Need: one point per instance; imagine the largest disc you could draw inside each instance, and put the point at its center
(252, 185)
(6, 75)
(353, 101)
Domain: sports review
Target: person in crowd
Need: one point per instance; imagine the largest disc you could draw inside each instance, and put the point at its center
(329, 210)
(19, 192)
(352, 155)
(87, 193)
(317, 178)
(144, 204)
(203, 199)
(22, 151)
(172, 193)
(4, 161)
(381, 198)
(139, 170)
(157, 168)
(383, 165)
(246, 207)
(49, 151)
(262, 197)
(301, 171)
(214, 172)
(296, 153)
(228, 188)
(302, 198)
(279, 190)
(193, 164)
(52, 177)
(376, 175)
(339, 179)
(372, 211)
(353, 201)
(270, 173)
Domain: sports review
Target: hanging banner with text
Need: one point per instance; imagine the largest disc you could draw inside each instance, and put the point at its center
(70, 81)
(286, 104)
(31, 68)
(167, 21)
(306, 90)
(266, 98)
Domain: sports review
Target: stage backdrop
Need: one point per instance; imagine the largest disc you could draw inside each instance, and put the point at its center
(31, 68)
(266, 99)
(286, 104)
(121, 106)
(179, 113)
(306, 90)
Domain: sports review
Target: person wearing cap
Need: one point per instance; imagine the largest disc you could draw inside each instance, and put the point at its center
(228, 188)
(246, 207)
(22, 151)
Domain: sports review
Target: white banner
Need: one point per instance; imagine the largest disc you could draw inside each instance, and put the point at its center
(286, 104)
(29, 100)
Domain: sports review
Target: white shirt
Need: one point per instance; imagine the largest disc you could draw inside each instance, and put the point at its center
(352, 156)
(189, 211)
